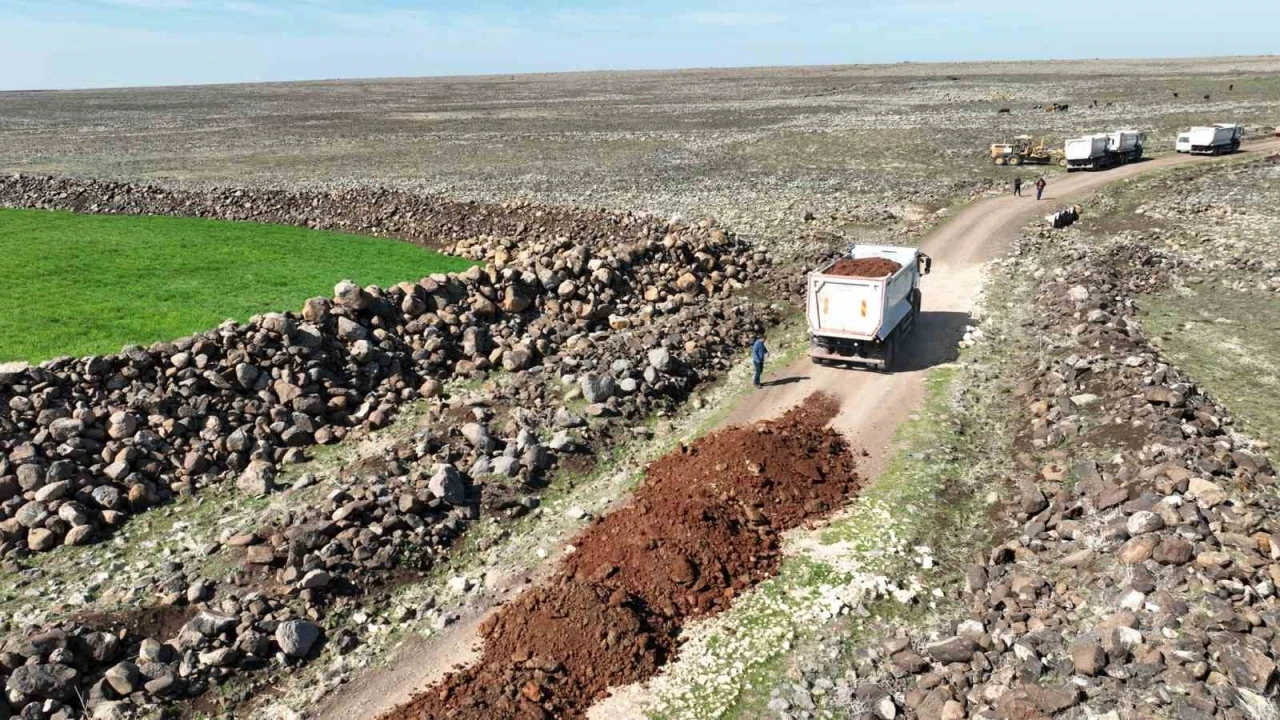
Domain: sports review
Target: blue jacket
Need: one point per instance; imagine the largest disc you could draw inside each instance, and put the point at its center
(758, 351)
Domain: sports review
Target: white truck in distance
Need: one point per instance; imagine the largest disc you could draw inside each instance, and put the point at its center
(1218, 139)
(1104, 150)
(855, 319)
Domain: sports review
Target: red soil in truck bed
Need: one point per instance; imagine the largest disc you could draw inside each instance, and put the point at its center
(864, 267)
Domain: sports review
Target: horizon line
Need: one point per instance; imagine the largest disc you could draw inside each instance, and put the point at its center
(638, 70)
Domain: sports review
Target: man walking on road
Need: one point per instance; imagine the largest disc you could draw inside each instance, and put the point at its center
(1017, 187)
(1040, 187)
(758, 351)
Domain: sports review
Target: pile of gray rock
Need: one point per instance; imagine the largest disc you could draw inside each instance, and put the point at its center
(432, 220)
(1140, 574)
(591, 333)
(112, 671)
(85, 442)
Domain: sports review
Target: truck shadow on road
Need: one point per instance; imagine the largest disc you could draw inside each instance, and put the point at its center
(934, 341)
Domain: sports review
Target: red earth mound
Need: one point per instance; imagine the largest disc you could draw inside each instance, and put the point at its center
(864, 267)
(706, 525)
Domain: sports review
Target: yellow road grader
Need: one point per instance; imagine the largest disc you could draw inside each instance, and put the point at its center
(1024, 150)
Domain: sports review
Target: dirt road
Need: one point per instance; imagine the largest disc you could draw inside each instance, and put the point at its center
(872, 404)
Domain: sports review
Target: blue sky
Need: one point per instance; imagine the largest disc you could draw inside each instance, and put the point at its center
(108, 43)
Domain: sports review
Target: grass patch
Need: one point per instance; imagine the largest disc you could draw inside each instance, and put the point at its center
(1230, 345)
(90, 284)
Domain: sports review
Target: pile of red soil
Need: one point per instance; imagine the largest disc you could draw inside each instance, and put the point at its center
(864, 267)
(706, 525)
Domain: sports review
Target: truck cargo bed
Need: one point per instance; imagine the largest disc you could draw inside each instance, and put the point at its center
(858, 319)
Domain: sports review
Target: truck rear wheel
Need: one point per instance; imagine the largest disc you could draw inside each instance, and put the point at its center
(890, 351)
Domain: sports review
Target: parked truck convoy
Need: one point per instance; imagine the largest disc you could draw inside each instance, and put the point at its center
(1104, 150)
(857, 319)
(1218, 139)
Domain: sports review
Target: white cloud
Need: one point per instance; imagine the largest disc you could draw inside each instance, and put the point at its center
(734, 19)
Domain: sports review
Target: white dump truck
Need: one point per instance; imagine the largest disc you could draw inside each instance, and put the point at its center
(1103, 150)
(1218, 139)
(863, 305)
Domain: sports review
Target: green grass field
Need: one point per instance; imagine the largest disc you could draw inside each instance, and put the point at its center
(90, 284)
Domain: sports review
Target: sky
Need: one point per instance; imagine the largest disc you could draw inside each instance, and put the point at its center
(115, 43)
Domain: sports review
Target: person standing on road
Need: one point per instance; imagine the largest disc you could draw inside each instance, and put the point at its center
(758, 351)
(1017, 187)
(1040, 187)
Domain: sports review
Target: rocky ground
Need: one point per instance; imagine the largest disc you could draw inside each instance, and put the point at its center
(1132, 571)
(270, 506)
(773, 152)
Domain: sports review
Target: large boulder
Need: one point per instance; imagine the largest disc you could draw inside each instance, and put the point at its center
(123, 678)
(350, 331)
(47, 681)
(953, 650)
(122, 425)
(478, 436)
(596, 388)
(447, 485)
(516, 359)
(297, 637)
(64, 429)
(350, 295)
(258, 479)
(517, 298)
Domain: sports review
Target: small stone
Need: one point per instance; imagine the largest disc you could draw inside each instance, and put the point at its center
(954, 649)
(122, 677)
(219, 657)
(596, 388)
(314, 579)
(1207, 494)
(1143, 522)
(1138, 550)
(660, 359)
(1173, 551)
(1087, 657)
